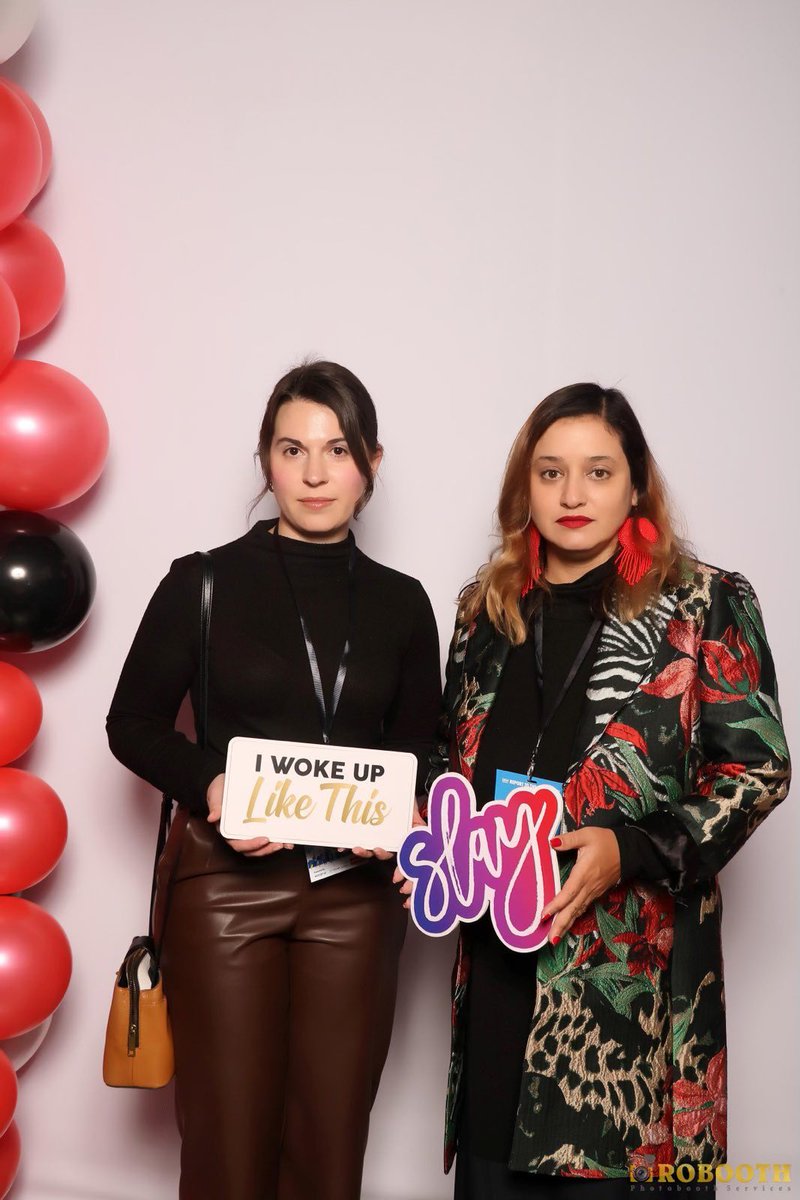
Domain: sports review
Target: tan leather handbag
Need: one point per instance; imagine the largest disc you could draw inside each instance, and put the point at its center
(138, 1048)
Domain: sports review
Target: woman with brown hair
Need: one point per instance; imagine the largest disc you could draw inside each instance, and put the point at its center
(281, 990)
(594, 651)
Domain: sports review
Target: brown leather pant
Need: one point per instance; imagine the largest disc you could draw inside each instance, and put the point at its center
(282, 996)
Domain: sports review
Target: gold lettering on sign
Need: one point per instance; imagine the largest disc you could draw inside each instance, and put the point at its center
(334, 789)
(356, 811)
(253, 797)
(281, 803)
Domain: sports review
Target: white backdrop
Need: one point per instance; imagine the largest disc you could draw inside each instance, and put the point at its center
(470, 204)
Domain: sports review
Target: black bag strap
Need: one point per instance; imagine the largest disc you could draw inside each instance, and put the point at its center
(200, 717)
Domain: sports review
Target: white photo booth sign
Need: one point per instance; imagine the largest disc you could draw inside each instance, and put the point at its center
(318, 795)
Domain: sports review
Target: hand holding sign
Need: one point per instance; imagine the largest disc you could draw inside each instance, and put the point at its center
(316, 794)
(465, 862)
(596, 870)
(250, 847)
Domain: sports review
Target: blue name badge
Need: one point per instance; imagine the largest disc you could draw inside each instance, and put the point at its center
(506, 782)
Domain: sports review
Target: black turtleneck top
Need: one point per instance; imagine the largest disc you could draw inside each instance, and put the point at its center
(260, 683)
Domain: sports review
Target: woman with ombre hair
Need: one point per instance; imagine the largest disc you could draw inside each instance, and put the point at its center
(593, 650)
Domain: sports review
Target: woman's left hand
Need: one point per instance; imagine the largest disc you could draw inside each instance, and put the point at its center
(384, 855)
(596, 869)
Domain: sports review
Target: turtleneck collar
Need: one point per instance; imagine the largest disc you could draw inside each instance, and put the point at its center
(294, 547)
(588, 583)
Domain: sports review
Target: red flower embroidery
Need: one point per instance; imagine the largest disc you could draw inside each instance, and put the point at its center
(684, 636)
(710, 773)
(590, 949)
(680, 678)
(649, 951)
(731, 663)
(627, 734)
(614, 904)
(658, 1148)
(586, 789)
(696, 1106)
(467, 738)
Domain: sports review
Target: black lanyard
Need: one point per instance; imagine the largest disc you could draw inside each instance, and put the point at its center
(326, 715)
(577, 663)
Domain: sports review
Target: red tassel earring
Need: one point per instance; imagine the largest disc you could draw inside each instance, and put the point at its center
(534, 553)
(634, 559)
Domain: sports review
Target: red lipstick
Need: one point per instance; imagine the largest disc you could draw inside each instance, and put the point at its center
(574, 522)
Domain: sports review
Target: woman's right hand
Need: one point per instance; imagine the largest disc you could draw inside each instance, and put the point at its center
(250, 847)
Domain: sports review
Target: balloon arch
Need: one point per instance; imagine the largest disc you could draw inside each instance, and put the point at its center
(53, 446)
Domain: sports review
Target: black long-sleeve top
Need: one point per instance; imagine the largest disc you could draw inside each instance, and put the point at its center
(260, 683)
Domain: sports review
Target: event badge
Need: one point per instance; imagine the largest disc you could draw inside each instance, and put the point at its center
(505, 782)
(466, 861)
(324, 861)
(319, 796)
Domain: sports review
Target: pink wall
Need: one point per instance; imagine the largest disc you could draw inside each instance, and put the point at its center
(469, 204)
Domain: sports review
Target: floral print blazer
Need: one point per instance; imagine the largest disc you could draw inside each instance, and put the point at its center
(625, 1063)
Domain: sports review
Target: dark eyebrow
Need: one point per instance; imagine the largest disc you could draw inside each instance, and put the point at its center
(295, 442)
(592, 458)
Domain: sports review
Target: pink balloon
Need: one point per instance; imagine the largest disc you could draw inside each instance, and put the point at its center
(20, 712)
(42, 129)
(8, 1092)
(33, 829)
(35, 965)
(9, 325)
(10, 1151)
(20, 156)
(53, 436)
(32, 267)
(21, 1049)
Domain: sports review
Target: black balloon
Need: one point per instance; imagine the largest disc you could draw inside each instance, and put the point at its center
(47, 582)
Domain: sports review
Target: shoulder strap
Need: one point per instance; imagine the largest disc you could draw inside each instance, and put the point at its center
(206, 596)
(201, 717)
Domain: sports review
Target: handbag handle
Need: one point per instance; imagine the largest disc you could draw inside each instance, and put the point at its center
(200, 720)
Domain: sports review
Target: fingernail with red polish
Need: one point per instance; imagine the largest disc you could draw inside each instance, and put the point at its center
(555, 843)
(555, 941)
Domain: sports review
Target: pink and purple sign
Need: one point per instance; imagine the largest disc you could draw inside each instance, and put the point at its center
(465, 861)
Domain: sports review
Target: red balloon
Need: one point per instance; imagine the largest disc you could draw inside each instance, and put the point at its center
(35, 965)
(33, 829)
(20, 156)
(8, 1092)
(53, 436)
(20, 1050)
(42, 128)
(9, 324)
(20, 712)
(32, 267)
(10, 1149)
